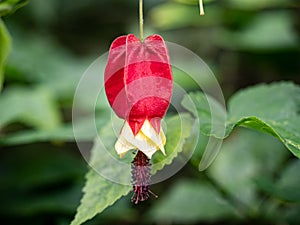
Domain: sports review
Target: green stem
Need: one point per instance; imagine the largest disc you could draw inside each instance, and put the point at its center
(141, 21)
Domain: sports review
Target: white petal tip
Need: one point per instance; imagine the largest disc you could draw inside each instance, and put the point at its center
(147, 140)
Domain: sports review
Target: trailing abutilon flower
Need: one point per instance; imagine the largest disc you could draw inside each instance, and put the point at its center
(138, 85)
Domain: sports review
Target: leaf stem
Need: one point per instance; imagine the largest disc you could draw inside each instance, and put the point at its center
(201, 7)
(141, 20)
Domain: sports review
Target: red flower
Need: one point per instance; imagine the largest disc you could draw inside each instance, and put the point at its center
(138, 85)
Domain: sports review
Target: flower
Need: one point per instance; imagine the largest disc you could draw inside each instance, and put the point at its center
(138, 85)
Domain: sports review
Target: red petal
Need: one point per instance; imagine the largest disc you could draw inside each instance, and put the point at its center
(148, 79)
(114, 77)
(138, 80)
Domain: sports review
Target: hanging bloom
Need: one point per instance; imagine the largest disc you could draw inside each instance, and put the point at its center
(138, 85)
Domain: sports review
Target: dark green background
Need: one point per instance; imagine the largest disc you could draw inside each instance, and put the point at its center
(41, 169)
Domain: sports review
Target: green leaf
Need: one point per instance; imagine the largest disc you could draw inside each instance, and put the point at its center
(273, 109)
(242, 159)
(5, 43)
(10, 6)
(85, 131)
(288, 186)
(109, 177)
(60, 73)
(256, 4)
(99, 192)
(34, 107)
(192, 2)
(98, 195)
(179, 129)
(174, 16)
(201, 106)
(262, 34)
(291, 214)
(189, 202)
(211, 113)
(185, 81)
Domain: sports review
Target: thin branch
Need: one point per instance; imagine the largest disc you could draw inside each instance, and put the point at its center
(201, 7)
(141, 20)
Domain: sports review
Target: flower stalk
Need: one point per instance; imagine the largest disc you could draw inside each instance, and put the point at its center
(138, 85)
(201, 7)
(141, 15)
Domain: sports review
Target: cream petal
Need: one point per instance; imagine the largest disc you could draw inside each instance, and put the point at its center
(122, 146)
(150, 132)
(146, 140)
(163, 137)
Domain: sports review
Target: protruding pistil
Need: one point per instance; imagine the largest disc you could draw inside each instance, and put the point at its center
(141, 173)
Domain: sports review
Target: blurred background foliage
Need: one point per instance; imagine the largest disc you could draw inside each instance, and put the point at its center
(253, 180)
